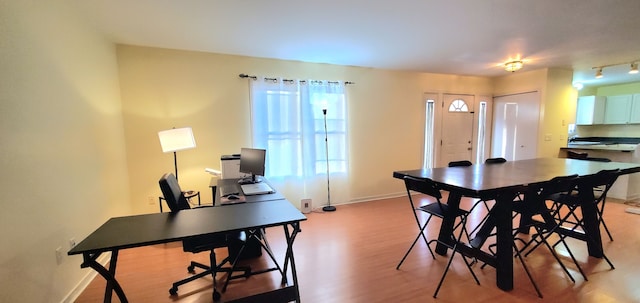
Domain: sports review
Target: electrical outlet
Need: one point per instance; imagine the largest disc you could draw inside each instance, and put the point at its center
(59, 255)
(72, 243)
(151, 200)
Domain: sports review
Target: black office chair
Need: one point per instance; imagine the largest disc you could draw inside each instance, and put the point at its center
(440, 210)
(177, 202)
(600, 183)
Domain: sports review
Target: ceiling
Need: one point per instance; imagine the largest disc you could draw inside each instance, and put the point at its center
(464, 37)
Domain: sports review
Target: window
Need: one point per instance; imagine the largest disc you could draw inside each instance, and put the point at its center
(482, 132)
(288, 121)
(458, 105)
(427, 161)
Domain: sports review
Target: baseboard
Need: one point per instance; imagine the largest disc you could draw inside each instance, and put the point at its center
(84, 282)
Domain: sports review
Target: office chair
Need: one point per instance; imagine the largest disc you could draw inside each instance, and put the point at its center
(440, 210)
(177, 202)
(600, 183)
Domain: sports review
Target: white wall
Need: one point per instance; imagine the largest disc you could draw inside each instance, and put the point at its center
(62, 151)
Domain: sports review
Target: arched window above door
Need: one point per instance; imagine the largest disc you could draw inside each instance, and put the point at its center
(458, 105)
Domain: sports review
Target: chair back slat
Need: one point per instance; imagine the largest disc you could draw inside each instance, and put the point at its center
(460, 163)
(423, 185)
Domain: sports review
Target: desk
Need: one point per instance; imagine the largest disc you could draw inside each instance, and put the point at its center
(217, 185)
(502, 182)
(141, 230)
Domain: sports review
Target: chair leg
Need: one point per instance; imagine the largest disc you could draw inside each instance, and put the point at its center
(526, 269)
(544, 241)
(421, 234)
(453, 253)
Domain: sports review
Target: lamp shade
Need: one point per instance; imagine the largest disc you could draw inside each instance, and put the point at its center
(176, 139)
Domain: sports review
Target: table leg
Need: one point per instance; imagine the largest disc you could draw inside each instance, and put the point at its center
(108, 275)
(590, 218)
(446, 228)
(504, 241)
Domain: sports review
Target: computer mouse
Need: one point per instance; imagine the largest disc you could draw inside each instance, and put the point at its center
(233, 197)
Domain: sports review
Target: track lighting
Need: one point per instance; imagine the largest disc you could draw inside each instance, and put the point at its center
(633, 70)
(599, 73)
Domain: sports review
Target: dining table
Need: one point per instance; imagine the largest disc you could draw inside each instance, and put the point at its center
(503, 183)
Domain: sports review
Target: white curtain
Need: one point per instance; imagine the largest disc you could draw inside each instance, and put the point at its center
(288, 121)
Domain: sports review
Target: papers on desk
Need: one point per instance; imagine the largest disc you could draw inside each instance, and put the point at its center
(256, 189)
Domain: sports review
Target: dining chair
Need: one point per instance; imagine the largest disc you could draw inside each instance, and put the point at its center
(600, 183)
(497, 160)
(546, 223)
(531, 206)
(436, 209)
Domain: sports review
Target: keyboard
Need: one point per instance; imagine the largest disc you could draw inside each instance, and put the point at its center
(256, 189)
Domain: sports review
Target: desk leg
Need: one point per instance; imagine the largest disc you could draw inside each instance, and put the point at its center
(108, 275)
(290, 237)
(590, 218)
(504, 241)
(447, 224)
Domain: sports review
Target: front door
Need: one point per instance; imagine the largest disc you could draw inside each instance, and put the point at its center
(457, 129)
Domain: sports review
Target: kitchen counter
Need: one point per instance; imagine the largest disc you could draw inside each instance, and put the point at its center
(627, 187)
(603, 147)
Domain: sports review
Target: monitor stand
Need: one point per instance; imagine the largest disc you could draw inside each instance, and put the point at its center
(249, 180)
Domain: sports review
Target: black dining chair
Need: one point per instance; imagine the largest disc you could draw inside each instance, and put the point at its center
(534, 205)
(600, 184)
(497, 160)
(177, 202)
(438, 209)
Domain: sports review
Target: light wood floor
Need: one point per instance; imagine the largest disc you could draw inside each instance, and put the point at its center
(350, 256)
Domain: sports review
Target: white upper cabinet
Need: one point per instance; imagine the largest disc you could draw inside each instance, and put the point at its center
(617, 109)
(634, 117)
(590, 110)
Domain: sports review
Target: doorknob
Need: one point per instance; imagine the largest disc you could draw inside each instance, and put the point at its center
(468, 148)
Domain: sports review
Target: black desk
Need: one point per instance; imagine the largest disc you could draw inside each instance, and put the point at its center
(502, 182)
(217, 185)
(141, 230)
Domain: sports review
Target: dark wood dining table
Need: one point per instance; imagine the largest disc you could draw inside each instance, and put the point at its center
(503, 183)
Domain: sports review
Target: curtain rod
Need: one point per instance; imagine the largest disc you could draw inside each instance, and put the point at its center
(289, 80)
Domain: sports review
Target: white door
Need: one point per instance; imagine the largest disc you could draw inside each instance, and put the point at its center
(515, 126)
(457, 129)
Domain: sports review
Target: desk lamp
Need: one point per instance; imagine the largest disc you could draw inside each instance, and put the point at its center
(176, 139)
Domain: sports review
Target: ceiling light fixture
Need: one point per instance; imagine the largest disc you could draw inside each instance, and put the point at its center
(513, 66)
(634, 68)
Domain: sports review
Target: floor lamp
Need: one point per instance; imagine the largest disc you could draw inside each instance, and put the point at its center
(329, 207)
(176, 139)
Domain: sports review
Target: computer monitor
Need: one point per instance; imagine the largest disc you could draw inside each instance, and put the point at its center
(252, 162)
